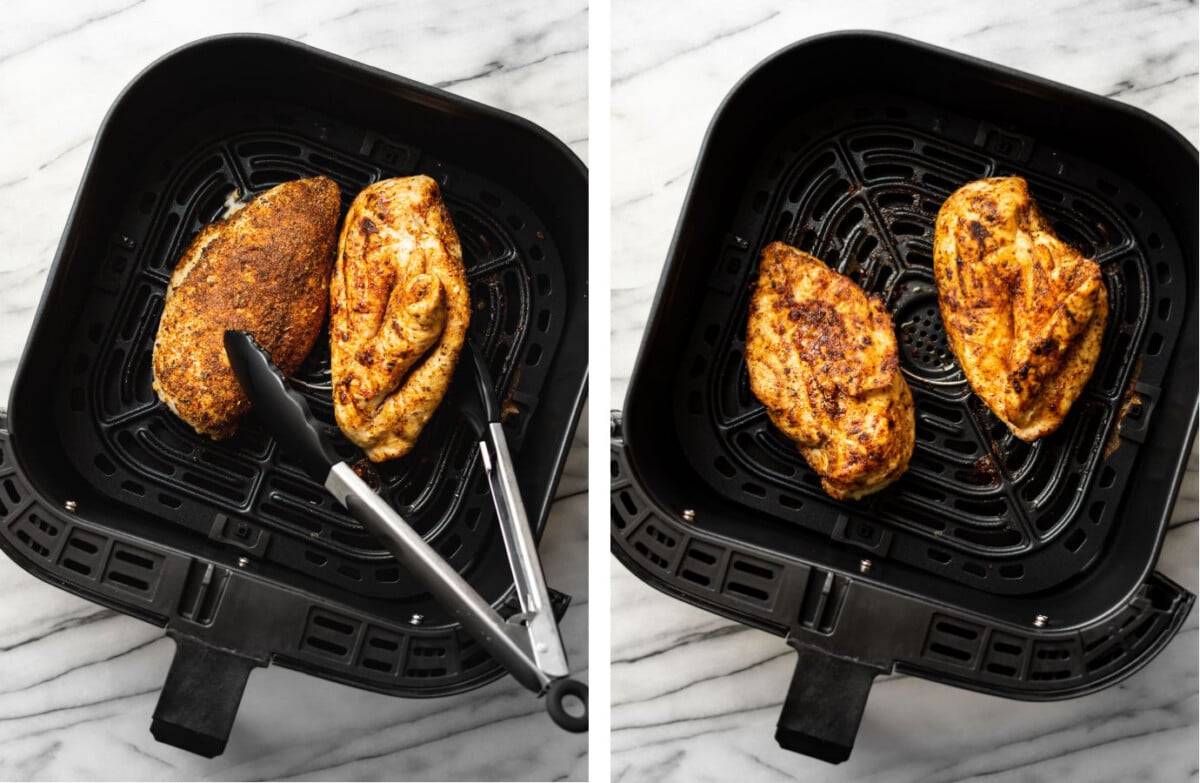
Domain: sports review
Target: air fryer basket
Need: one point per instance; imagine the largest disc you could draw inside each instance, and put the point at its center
(230, 544)
(1018, 569)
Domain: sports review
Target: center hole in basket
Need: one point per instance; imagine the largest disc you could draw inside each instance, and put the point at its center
(924, 351)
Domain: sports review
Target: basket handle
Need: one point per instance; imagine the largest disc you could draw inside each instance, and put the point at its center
(201, 696)
(824, 705)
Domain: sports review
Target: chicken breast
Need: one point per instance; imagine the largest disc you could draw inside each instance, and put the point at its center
(399, 311)
(265, 269)
(1024, 311)
(823, 359)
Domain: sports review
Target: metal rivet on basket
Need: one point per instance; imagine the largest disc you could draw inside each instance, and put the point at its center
(69, 505)
(243, 561)
(416, 619)
(864, 566)
(689, 514)
(1040, 621)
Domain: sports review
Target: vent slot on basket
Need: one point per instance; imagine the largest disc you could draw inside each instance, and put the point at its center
(1057, 660)
(953, 641)
(1124, 638)
(133, 570)
(428, 656)
(83, 553)
(382, 651)
(752, 580)
(659, 548)
(702, 564)
(36, 530)
(1006, 656)
(330, 635)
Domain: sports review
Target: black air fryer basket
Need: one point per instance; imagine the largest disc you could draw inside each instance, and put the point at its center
(229, 544)
(1009, 568)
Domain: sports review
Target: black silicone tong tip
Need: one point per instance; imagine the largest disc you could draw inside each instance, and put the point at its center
(281, 409)
(474, 390)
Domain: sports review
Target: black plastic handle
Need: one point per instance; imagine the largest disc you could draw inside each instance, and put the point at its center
(560, 690)
(284, 412)
(824, 705)
(201, 697)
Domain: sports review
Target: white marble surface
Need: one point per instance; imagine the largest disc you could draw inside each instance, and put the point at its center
(77, 683)
(696, 697)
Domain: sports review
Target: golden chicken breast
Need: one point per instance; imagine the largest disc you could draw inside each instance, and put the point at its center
(399, 310)
(263, 268)
(1024, 311)
(823, 359)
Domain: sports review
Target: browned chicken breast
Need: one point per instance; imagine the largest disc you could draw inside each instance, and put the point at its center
(265, 269)
(823, 360)
(1024, 312)
(399, 310)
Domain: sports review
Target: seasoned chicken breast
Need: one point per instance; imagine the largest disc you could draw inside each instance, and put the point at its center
(1024, 311)
(265, 269)
(399, 310)
(823, 360)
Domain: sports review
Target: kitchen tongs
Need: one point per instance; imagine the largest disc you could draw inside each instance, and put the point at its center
(527, 644)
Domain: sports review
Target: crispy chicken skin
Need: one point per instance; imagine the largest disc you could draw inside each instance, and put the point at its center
(823, 360)
(399, 310)
(1024, 311)
(265, 269)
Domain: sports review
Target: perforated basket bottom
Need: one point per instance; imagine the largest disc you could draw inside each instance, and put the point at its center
(858, 183)
(131, 448)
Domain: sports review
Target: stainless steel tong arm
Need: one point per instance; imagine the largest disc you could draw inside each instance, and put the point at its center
(530, 582)
(501, 639)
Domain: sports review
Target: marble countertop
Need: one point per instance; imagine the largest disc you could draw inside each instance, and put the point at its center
(79, 683)
(696, 697)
